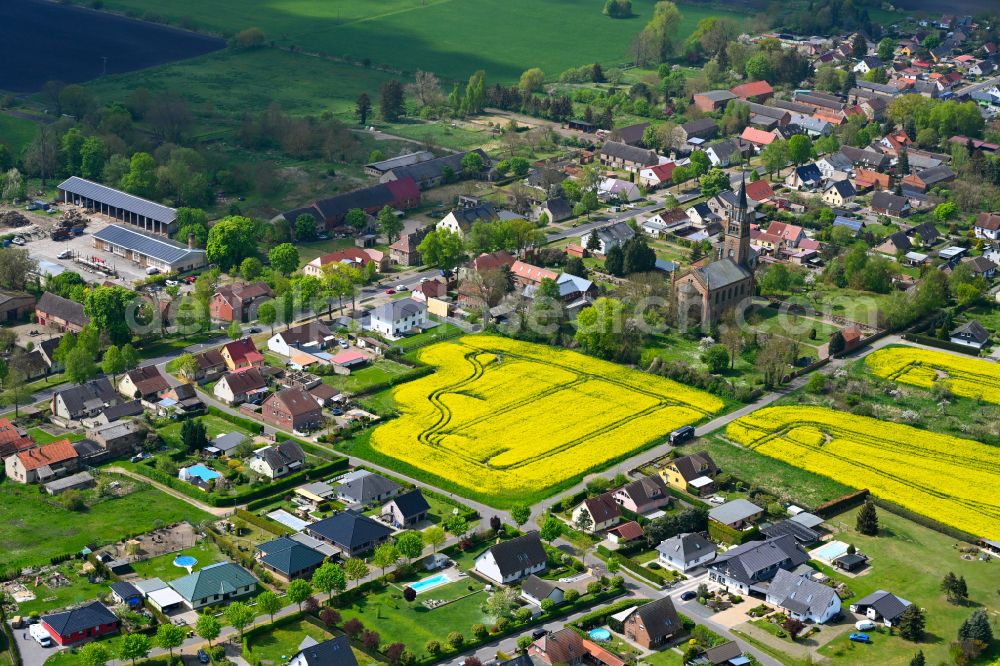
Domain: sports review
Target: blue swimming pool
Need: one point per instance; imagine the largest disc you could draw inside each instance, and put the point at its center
(600, 635)
(185, 561)
(830, 551)
(428, 583)
(206, 474)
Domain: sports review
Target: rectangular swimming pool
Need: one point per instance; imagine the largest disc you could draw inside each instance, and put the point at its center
(206, 474)
(428, 583)
(830, 551)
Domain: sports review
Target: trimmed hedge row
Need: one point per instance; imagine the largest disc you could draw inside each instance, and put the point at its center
(842, 503)
(247, 424)
(941, 344)
(633, 567)
(263, 523)
(268, 490)
(688, 498)
(599, 617)
(919, 519)
(726, 534)
(415, 373)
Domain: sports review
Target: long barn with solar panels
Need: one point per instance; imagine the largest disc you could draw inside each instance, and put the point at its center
(147, 215)
(148, 251)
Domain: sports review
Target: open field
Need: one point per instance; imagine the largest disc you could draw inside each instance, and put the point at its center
(501, 419)
(936, 475)
(435, 35)
(16, 133)
(909, 560)
(35, 530)
(963, 376)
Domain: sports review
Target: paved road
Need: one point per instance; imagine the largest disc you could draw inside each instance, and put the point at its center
(973, 87)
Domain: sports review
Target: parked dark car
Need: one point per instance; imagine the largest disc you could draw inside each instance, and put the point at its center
(689, 595)
(203, 657)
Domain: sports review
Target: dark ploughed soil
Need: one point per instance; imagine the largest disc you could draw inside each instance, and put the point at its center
(42, 41)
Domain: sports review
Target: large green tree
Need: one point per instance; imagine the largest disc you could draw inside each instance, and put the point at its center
(442, 249)
(284, 258)
(141, 177)
(107, 307)
(231, 240)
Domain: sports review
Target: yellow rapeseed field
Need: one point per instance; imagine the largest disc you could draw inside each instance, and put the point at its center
(506, 418)
(965, 376)
(946, 478)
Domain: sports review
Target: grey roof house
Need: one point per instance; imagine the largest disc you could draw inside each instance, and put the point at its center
(352, 533)
(737, 513)
(752, 564)
(881, 606)
(510, 561)
(216, 583)
(362, 487)
(332, 652)
(288, 559)
(406, 510)
(685, 551)
(802, 598)
(83, 400)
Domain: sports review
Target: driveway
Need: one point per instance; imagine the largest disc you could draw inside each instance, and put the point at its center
(32, 654)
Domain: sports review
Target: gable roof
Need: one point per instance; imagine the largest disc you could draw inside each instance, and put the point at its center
(758, 136)
(734, 511)
(518, 554)
(411, 503)
(631, 134)
(759, 190)
(659, 617)
(889, 202)
(603, 507)
(210, 359)
(397, 309)
(236, 294)
(247, 380)
(12, 438)
(49, 454)
(561, 647)
(627, 531)
(91, 190)
(369, 198)
(664, 172)
(289, 556)
(800, 594)
(311, 331)
(331, 652)
(699, 126)
(279, 455)
(63, 308)
(886, 604)
(240, 349)
(537, 588)
(296, 401)
(627, 153)
(842, 187)
(744, 562)
(974, 330)
(645, 490)
(86, 617)
(693, 465)
(722, 273)
(722, 654)
(531, 272)
(435, 168)
(800, 532)
(148, 379)
(366, 487)
(690, 546)
(752, 89)
(988, 221)
(92, 395)
(157, 247)
(350, 530)
(220, 578)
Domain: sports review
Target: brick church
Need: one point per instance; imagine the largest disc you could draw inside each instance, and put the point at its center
(709, 288)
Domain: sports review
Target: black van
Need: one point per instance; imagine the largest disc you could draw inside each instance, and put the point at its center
(682, 434)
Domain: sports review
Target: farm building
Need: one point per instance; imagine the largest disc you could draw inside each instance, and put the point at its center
(119, 205)
(148, 251)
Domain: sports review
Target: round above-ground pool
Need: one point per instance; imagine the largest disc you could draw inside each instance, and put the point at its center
(185, 561)
(600, 634)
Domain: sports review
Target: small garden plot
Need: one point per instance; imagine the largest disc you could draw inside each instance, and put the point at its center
(163, 567)
(278, 644)
(214, 426)
(803, 329)
(64, 585)
(47, 436)
(380, 372)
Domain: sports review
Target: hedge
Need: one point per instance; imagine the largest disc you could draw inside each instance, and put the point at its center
(633, 567)
(267, 490)
(247, 424)
(599, 617)
(842, 503)
(941, 344)
(688, 498)
(929, 523)
(263, 523)
(726, 534)
(12, 646)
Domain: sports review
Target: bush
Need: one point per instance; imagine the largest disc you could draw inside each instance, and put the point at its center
(456, 640)
(571, 596)
(480, 631)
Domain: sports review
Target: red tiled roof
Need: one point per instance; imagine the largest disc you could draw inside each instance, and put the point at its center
(531, 272)
(664, 172)
(11, 440)
(239, 349)
(752, 89)
(49, 454)
(627, 531)
(758, 136)
(759, 190)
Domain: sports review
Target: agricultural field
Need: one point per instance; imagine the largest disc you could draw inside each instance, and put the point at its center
(945, 478)
(16, 132)
(486, 422)
(964, 376)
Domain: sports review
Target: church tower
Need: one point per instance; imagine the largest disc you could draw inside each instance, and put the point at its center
(737, 242)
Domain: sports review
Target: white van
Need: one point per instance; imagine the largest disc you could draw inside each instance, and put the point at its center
(864, 625)
(39, 634)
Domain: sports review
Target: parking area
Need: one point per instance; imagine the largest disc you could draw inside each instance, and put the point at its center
(32, 654)
(47, 250)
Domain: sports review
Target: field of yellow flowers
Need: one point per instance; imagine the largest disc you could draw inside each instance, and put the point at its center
(964, 376)
(946, 478)
(508, 419)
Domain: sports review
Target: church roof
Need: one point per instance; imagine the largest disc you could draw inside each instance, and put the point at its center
(723, 273)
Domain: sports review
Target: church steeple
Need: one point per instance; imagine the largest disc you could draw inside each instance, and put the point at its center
(737, 242)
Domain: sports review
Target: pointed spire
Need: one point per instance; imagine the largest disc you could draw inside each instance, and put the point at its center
(742, 199)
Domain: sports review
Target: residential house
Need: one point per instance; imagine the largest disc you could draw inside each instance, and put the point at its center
(802, 598)
(242, 354)
(15, 305)
(625, 533)
(226, 443)
(660, 175)
(60, 313)
(362, 488)
(738, 514)
(292, 409)
(839, 193)
(214, 584)
(924, 180)
(694, 473)
(759, 191)
(13, 439)
(277, 460)
(805, 177)
(800, 532)
(727, 654)
(535, 590)
(353, 534)
(564, 646)
(84, 400)
(238, 387)
(702, 129)
(987, 226)
(753, 91)
(866, 157)
(629, 158)
(835, 166)
(881, 606)
(509, 561)
(47, 348)
(602, 510)
(404, 251)
(712, 100)
(429, 289)
(336, 651)
(790, 235)
(556, 209)
(758, 137)
(573, 288)
(310, 336)
(659, 225)
(768, 117)
(526, 274)
(750, 566)
(179, 400)
(616, 189)
(970, 334)
(460, 220)
(239, 302)
(865, 179)
(885, 203)
(126, 594)
(981, 267)
(42, 464)
(652, 625)
(924, 235)
(728, 152)
(685, 552)
(612, 235)
(643, 495)
(119, 438)
(88, 622)
(287, 559)
(143, 383)
(210, 366)
(407, 510)
(356, 257)
(399, 317)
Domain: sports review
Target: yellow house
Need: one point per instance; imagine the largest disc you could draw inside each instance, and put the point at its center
(693, 473)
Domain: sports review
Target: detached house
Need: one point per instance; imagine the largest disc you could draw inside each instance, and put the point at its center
(971, 334)
(288, 559)
(613, 235)
(564, 646)
(143, 383)
(751, 566)
(88, 622)
(654, 624)
(239, 302)
(362, 488)
(238, 387)
(509, 561)
(210, 364)
(881, 606)
(60, 313)
(685, 552)
(738, 514)
(352, 533)
(885, 203)
(694, 473)
(647, 494)
(603, 511)
(214, 584)
(43, 464)
(802, 598)
(310, 336)
(630, 158)
(838, 193)
(242, 354)
(399, 317)
(278, 460)
(988, 226)
(84, 400)
(292, 409)
(13, 439)
(407, 510)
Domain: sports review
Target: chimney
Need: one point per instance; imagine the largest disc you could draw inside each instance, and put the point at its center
(190, 241)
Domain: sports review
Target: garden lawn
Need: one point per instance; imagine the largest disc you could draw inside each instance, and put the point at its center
(72, 657)
(281, 643)
(395, 619)
(42, 436)
(792, 326)
(359, 381)
(163, 567)
(214, 426)
(442, 331)
(34, 530)
(910, 561)
(663, 658)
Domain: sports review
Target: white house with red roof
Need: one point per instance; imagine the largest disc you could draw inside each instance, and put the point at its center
(43, 464)
(242, 354)
(657, 176)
